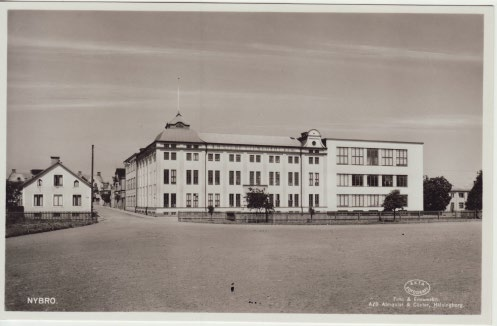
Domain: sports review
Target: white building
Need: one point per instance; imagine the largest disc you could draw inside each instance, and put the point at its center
(458, 198)
(56, 189)
(182, 170)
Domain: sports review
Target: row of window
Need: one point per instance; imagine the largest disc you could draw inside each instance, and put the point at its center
(57, 200)
(357, 180)
(363, 200)
(57, 181)
(355, 155)
(253, 158)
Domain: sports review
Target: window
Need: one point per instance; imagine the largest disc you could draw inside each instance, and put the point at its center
(357, 156)
(210, 157)
(316, 160)
(357, 200)
(188, 200)
(251, 158)
(231, 177)
(311, 178)
(271, 178)
(57, 180)
(173, 200)
(217, 157)
(296, 178)
(387, 181)
(195, 177)
(277, 201)
(238, 175)
(173, 145)
(258, 158)
(311, 200)
(166, 177)
(357, 180)
(188, 177)
(238, 158)
(173, 156)
(217, 177)
(296, 196)
(316, 200)
(195, 200)
(290, 159)
(316, 179)
(210, 199)
(277, 159)
(401, 157)
(372, 154)
(258, 178)
(57, 200)
(76, 183)
(311, 160)
(238, 200)
(166, 200)
(188, 156)
(342, 180)
(290, 200)
(461, 205)
(290, 178)
(402, 181)
(372, 181)
(342, 200)
(188, 146)
(38, 200)
(173, 178)
(252, 178)
(232, 158)
(218, 200)
(166, 155)
(210, 177)
(342, 155)
(296, 159)
(195, 156)
(461, 195)
(277, 178)
(271, 159)
(387, 157)
(40, 182)
(405, 200)
(373, 200)
(232, 200)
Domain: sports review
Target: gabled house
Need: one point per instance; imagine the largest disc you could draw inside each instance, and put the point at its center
(56, 189)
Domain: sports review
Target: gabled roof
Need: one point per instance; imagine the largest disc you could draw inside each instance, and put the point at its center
(50, 168)
(179, 135)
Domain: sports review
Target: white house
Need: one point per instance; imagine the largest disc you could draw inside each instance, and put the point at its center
(182, 170)
(56, 189)
(458, 198)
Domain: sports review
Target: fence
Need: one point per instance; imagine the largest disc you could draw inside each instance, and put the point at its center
(336, 217)
(22, 217)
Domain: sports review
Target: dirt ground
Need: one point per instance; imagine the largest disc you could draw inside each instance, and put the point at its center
(128, 263)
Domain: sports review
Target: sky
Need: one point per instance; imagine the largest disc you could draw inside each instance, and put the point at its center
(77, 78)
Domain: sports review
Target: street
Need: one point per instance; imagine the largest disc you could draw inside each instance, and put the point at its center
(131, 263)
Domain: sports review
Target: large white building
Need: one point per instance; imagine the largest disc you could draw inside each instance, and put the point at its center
(182, 170)
(56, 189)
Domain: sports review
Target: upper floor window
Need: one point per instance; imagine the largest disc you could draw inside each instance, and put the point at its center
(342, 155)
(316, 160)
(402, 181)
(372, 154)
(238, 157)
(252, 158)
(166, 155)
(57, 180)
(57, 200)
(387, 180)
(40, 182)
(258, 158)
(461, 195)
(210, 157)
(372, 181)
(358, 156)
(188, 156)
(402, 157)
(357, 180)
(271, 159)
(232, 157)
(195, 156)
(290, 159)
(217, 157)
(76, 184)
(277, 159)
(387, 157)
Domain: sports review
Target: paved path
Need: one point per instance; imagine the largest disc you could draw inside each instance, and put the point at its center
(132, 263)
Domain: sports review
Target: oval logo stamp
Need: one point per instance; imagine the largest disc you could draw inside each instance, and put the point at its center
(417, 288)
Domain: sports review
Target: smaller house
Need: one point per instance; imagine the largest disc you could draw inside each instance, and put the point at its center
(118, 196)
(458, 198)
(56, 189)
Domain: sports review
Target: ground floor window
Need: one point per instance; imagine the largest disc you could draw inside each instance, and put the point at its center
(76, 200)
(218, 200)
(195, 200)
(210, 200)
(38, 200)
(357, 200)
(343, 200)
(238, 200)
(57, 200)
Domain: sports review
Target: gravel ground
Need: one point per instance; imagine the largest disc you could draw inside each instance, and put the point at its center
(129, 263)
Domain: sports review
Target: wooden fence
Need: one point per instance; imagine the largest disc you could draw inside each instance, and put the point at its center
(338, 217)
(23, 217)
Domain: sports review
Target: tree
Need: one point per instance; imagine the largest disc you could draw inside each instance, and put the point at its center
(210, 209)
(105, 195)
(436, 193)
(13, 194)
(259, 200)
(474, 201)
(393, 201)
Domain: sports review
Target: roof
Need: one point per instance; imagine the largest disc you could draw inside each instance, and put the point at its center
(455, 189)
(120, 172)
(178, 120)
(19, 176)
(179, 135)
(376, 141)
(250, 140)
(50, 168)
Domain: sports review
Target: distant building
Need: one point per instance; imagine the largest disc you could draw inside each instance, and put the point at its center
(56, 189)
(182, 170)
(118, 196)
(16, 176)
(458, 198)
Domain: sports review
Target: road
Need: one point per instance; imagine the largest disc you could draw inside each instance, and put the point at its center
(130, 263)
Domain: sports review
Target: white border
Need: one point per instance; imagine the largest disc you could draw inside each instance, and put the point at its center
(489, 120)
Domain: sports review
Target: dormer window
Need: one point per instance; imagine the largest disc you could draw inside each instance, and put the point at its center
(40, 182)
(76, 184)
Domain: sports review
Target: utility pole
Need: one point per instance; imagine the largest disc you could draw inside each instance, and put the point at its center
(91, 199)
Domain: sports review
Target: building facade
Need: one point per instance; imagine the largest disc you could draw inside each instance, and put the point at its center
(182, 170)
(56, 189)
(458, 198)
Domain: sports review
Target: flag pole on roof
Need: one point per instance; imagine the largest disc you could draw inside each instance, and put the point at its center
(178, 97)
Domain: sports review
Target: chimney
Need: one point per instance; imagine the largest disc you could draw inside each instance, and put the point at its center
(98, 174)
(13, 170)
(80, 173)
(54, 160)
